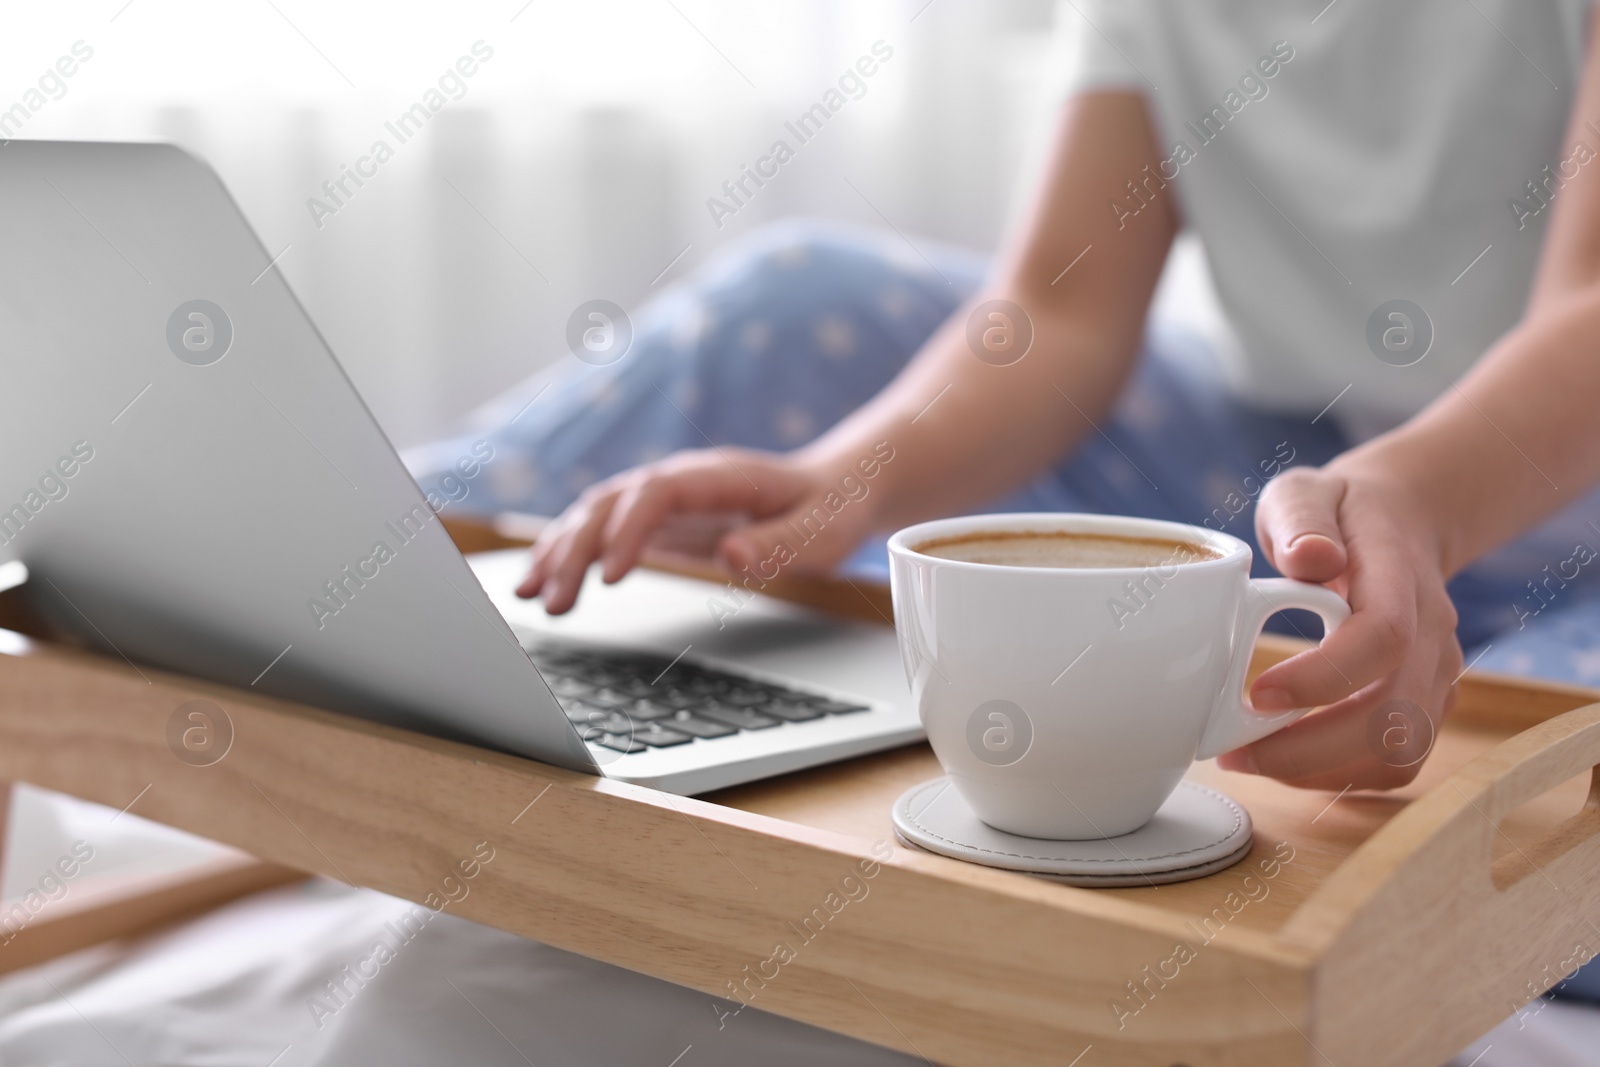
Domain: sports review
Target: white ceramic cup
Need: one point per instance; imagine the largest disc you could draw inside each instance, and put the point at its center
(1067, 703)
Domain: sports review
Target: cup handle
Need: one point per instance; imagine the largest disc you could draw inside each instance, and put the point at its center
(1233, 721)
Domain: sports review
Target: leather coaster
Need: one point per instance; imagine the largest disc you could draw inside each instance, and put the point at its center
(1198, 831)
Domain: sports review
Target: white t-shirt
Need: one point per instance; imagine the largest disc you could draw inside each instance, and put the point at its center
(1334, 163)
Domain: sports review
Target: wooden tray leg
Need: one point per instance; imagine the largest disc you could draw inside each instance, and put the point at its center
(137, 906)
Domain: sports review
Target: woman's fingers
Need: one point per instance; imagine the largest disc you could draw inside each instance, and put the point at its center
(1399, 650)
(539, 559)
(1371, 643)
(614, 520)
(1376, 739)
(1297, 524)
(576, 547)
(641, 508)
(551, 557)
(702, 484)
(1374, 641)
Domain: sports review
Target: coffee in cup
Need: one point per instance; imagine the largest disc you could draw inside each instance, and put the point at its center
(1064, 548)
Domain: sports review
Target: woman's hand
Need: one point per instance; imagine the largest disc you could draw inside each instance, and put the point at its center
(768, 513)
(1388, 674)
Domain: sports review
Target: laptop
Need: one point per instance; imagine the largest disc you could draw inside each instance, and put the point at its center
(192, 482)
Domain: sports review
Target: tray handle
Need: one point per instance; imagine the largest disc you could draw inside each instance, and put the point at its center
(1423, 914)
(1564, 752)
(1445, 839)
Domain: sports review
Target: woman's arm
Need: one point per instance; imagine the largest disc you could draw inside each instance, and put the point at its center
(990, 429)
(1389, 522)
(963, 431)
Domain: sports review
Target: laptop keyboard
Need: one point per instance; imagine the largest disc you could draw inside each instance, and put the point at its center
(629, 701)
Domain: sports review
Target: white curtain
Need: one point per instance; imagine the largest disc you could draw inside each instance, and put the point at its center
(574, 162)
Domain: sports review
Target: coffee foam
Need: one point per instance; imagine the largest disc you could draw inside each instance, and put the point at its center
(1064, 549)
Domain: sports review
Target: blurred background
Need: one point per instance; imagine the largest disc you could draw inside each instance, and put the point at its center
(575, 163)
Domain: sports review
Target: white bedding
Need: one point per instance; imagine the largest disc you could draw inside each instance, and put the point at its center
(237, 987)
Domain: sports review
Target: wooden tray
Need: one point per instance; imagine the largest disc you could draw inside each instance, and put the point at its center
(1362, 930)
